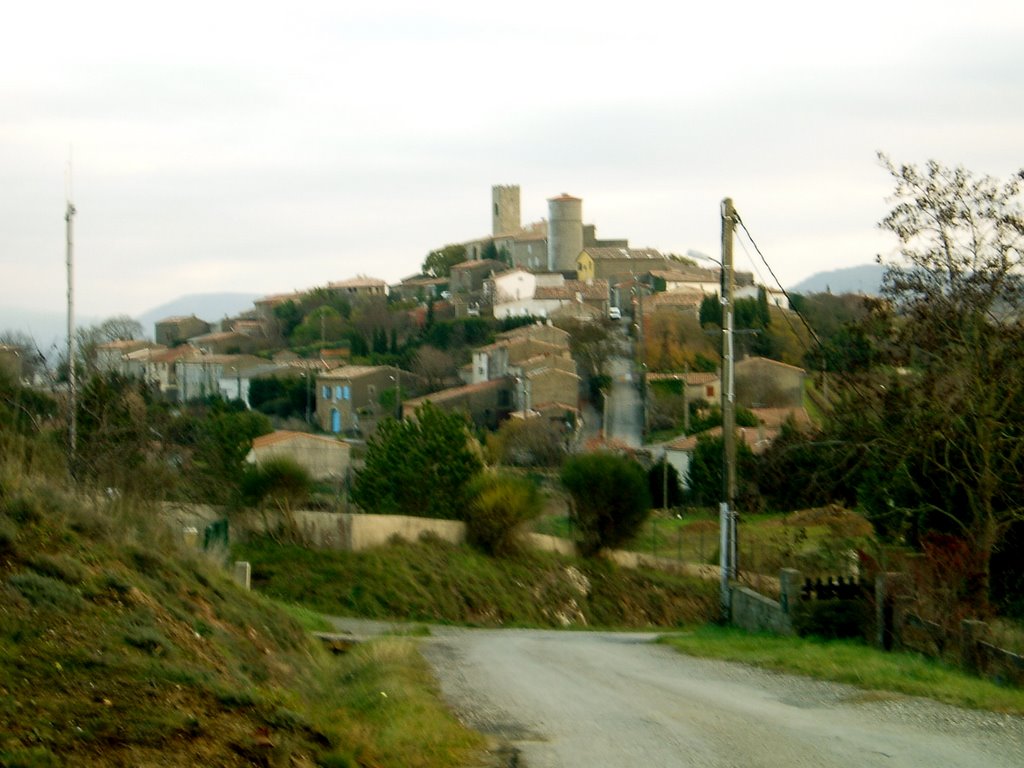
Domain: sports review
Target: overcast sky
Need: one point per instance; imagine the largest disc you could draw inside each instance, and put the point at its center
(259, 147)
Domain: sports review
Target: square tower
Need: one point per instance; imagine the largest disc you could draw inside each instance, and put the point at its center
(505, 209)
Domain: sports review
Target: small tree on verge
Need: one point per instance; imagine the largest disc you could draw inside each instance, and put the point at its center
(421, 466)
(610, 499)
(499, 507)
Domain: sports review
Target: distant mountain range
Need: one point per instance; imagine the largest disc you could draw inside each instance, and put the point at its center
(866, 279)
(49, 329)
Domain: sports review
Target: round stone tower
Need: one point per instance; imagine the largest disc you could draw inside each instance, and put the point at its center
(505, 209)
(565, 232)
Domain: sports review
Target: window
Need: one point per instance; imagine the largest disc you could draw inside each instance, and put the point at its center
(337, 392)
(346, 392)
(710, 390)
(326, 393)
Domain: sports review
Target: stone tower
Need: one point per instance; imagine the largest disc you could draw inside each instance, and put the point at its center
(565, 232)
(505, 209)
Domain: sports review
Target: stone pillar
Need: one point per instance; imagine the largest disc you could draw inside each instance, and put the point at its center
(790, 582)
(243, 574)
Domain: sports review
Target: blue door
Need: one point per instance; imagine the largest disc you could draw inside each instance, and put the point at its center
(335, 420)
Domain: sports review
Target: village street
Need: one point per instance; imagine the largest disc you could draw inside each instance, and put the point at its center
(623, 409)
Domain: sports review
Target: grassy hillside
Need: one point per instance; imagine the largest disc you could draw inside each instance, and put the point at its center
(435, 581)
(117, 648)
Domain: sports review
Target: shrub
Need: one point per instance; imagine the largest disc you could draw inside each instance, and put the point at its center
(499, 506)
(278, 480)
(610, 499)
(60, 566)
(44, 591)
(8, 536)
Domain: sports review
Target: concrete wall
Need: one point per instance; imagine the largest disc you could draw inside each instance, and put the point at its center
(756, 613)
(355, 533)
(323, 459)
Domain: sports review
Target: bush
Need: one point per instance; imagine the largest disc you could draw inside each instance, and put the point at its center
(610, 499)
(499, 506)
(528, 443)
(8, 536)
(44, 591)
(279, 480)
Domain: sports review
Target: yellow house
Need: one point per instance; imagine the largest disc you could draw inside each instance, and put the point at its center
(606, 263)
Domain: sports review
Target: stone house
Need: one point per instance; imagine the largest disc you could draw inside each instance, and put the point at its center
(325, 458)
(361, 287)
(761, 383)
(485, 403)
(419, 288)
(110, 355)
(348, 398)
(615, 264)
(679, 452)
(172, 331)
(699, 385)
(156, 366)
(200, 375)
(225, 342)
(519, 293)
(468, 276)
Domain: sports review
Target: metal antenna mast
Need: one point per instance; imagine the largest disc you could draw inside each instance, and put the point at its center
(69, 214)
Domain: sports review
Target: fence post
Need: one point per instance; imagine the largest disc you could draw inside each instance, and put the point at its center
(971, 656)
(243, 574)
(888, 586)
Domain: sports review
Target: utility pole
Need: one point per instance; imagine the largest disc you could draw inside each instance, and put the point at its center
(727, 514)
(69, 214)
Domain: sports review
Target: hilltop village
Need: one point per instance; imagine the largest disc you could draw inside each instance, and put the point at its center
(526, 322)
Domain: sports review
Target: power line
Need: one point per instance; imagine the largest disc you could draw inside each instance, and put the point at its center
(852, 383)
(776, 279)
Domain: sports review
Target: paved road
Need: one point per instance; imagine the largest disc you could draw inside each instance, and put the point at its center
(580, 699)
(623, 412)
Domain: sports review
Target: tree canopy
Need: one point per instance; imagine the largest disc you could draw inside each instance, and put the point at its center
(420, 466)
(936, 429)
(439, 263)
(610, 498)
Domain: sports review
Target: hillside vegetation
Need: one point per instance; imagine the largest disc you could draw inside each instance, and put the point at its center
(118, 648)
(440, 582)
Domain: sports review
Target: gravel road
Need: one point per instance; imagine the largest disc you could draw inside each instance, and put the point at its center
(585, 699)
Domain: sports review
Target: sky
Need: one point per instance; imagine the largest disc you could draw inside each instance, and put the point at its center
(256, 147)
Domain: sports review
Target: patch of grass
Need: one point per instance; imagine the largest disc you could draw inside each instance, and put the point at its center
(847, 661)
(166, 661)
(309, 620)
(45, 591)
(437, 582)
(384, 689)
